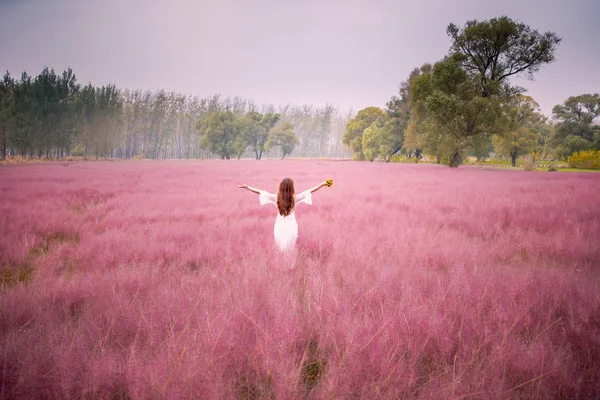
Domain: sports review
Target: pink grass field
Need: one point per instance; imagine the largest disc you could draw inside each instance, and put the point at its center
(161, 280)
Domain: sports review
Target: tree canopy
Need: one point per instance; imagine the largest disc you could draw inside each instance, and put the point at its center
(577, 128)
(458, 105)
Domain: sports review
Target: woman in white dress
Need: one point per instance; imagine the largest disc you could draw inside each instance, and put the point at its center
(286, 227)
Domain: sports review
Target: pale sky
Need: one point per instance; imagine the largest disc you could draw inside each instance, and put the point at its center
(343, 52)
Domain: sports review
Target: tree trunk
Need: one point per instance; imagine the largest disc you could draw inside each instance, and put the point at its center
(3, 142)
(456, 159)
(513, 158)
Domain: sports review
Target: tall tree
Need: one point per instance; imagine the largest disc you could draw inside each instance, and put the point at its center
(24, 119)
(521, 135)
(382, 139)
(498, 48)
(450, 112)
(577, 129)
(7, 85)
(353, 136)
(257, 130)
(282, 135)
(67, 93)
(219, 132)
(461, 98)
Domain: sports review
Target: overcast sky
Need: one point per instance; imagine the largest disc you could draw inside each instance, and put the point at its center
(347, 53)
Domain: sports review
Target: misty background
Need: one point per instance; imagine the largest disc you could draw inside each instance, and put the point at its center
(347, 54)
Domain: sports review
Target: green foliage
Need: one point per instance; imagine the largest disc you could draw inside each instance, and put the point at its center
(449, 111)
(585, 160)
(255, 130)
(577, 129)
(382, 140)
(283, 136)
(498, 48)
(78, 151)
(7, 87)
(458, 105)
(220, 133)
(520, 137)
(398, 158)
(356, 127)
(49, 114)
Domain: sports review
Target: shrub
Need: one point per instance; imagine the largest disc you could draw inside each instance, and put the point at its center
(585, 160)
(78, 151)
(552, 168)
(397, 158)
(497, 161)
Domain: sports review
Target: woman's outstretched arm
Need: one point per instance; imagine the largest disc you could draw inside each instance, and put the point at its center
(319, 186)
(253, 190)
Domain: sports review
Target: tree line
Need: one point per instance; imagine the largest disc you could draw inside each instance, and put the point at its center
(53, 116)
(466, 105)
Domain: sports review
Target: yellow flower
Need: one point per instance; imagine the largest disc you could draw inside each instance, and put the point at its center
(329, 182)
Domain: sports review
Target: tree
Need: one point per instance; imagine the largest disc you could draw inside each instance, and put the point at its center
(219, 131)
(383, 139)
(577, 129)
(86, 108)
(457, 106)
(7, 86)
(450, 112)
(356, 127)
(520, 136)
(107, 118)
(67, 94)
(282, 135)
(23, 116)
(496, 49)
(257, 127)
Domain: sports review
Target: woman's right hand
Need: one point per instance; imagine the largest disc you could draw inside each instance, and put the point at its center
(243, 186)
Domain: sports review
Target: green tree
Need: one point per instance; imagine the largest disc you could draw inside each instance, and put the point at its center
(450, 112)
(257, 129)
(107, 118)
(219, 132)
(457, 106)
(67, 93)
(23, 116)
(382, 139)
(498, 48)
(356, 127)
(284, 136)
(577, 129)
(7, 86)
(521, 136)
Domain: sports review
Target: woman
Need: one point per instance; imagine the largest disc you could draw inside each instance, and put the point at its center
(286, 227)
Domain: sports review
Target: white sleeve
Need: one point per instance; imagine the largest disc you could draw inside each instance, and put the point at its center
(304, 197)
(265, 197)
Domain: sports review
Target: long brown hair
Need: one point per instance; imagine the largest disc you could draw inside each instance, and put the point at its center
(285, 197)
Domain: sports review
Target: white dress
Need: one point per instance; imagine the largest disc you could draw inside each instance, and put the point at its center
(286, 228)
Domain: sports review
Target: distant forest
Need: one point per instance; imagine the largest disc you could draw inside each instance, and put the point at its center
(53, 116)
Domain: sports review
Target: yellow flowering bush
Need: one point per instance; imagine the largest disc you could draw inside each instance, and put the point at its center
(585, 160)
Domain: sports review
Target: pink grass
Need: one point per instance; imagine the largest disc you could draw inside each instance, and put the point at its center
(161, 279)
